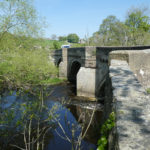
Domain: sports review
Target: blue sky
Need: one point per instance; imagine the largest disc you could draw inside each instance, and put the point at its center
(81, 16)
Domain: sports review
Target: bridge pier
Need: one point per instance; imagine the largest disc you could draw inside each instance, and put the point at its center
(90, 81)
(63, 72)
(86, 82)
(63, 67)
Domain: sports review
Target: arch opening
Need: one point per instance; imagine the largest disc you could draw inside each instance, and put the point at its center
(73, 72)
(58, 62)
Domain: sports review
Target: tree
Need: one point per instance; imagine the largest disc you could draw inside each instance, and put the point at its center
(120, 34)
(73, 38)
(19, 19)
(95, 39)
(62, 38)
(111, 31)
(135, 30)
(137, 19)
(139, 25)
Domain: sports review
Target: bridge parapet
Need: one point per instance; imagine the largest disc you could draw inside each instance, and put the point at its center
(138, 61)
(132, 108)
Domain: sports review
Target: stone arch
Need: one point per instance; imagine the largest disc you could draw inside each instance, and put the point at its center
(58, 62)
(74, 68)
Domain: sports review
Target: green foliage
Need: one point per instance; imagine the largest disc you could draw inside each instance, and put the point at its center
(23, 68)
(18, 17)
(106, 128)
(108, 24)
(39, 43)
(73, 38)
(139, 26)
(112, 31)
(136, 19)
(77, 45)
(62, 38)
(46, 43)
(11, 42)
(56, 45)
(133, 31)
(148, 90)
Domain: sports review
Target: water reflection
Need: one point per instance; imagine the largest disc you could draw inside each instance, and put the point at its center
(68, 122)
(71, 114)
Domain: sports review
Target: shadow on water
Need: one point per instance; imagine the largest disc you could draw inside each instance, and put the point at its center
(73, 114)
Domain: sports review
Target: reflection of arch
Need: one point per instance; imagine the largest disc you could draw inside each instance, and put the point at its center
(75, 66)
(58, 62)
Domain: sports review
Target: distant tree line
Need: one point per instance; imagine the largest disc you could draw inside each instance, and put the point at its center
(71, 38)
(57, 41)
(135, 30)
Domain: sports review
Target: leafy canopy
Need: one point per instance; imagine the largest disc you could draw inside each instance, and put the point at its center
(137, 19)
(73, 38)
(18, 17)
(135, 30)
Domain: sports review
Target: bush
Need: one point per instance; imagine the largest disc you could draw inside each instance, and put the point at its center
(56, 45)
(24, 68)
(106, 128)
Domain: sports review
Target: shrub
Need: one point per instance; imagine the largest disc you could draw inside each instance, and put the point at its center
(56, 45)
(106, 128)
(24, 68)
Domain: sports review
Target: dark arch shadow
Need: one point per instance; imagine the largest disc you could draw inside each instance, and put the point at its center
(73, 72)
(58, 62)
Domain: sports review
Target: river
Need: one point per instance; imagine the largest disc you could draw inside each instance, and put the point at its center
(74, 113)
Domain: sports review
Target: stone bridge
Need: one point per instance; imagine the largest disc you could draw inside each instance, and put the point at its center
(88, 67)
(120, 73)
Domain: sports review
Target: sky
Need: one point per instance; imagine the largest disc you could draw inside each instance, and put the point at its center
(82, 17)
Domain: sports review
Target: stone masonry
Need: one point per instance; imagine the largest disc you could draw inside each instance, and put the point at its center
(94, 65)
(132, 107)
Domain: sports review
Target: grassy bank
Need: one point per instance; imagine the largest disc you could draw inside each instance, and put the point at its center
(25, 67)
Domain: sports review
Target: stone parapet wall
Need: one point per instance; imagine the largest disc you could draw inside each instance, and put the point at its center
(132, 107)
(139, 62)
